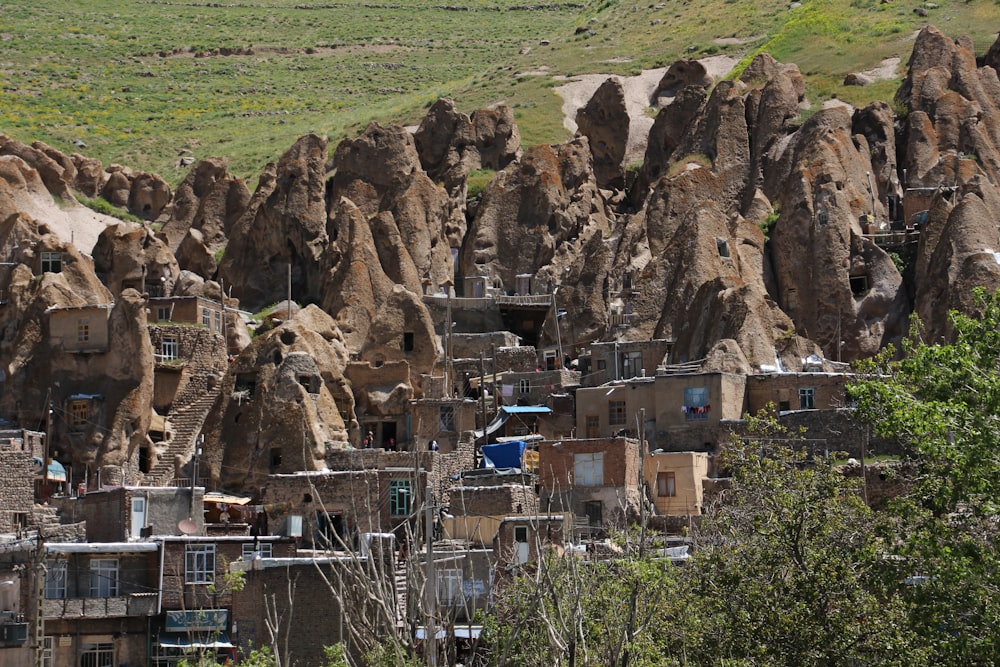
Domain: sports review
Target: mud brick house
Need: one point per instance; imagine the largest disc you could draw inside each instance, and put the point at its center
(622, 360)
(522, 539)
(797, 391)
(682, 410)
(99, 600)
(196, 599)
(676, 481)
(595, 479)
(323, 508)
(17, 482)
(79, 329)
(313, 618)
(120, 513)
(187, 309)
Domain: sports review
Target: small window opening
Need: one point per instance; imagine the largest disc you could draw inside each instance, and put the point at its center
(408, 341)
(859, 284)
(723, 247)
(275, 457)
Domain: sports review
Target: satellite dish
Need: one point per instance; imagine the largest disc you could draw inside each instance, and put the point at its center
(187, 526)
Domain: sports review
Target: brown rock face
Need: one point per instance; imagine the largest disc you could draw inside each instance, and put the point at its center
(130, 256)
(961, 252)
(285, 223)
(380, 173)
(548, 198)
(193, 255)
(118, 185)
(209, 200)
(830, 279)
(954, 124)
(148, 196)
(680, 75)
(52, 172)
(696, 272)
(452, 144)
(90, 175)
(604, 121)
(403, 330)
(280, 407)
(669, 128)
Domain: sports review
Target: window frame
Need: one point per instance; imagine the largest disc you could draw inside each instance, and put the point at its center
(169, 348)
(83, 330)
(263, 550)
(103, 577)
(524, 386)
(400, 504)
(97, 654)
(50, 262)
(206, 317)
(79, 413)
(164, 313)
(199, 563)
(588, 469)
(592, 426)
(666, 484)
(446, 419)
(696, 397)
(617, 413)
(450, 587)
(807, 398)
(56, 576)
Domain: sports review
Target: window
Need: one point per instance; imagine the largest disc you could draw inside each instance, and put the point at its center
(51, 262)
(47, 644)
(521, 534)
(400, 497)
(103, 577)
(666, 485)
(696, 406)
(722, 245)
(55, 580)
(97, 655)
(524, 386)
(449, 584)
(206, 317)
(168, 349)
(632, 365)
(199, 563)
(83, 330)
(154, 290)
(588, 469)
(602, 364)
(447, 418)
(275, 459)
(594, 509)
(593, 426)
(217, 317)
(859, 284)
(407, 341)
(259, 550)
(163, 313)
(616, 413)
(79, 413)
(807, 398)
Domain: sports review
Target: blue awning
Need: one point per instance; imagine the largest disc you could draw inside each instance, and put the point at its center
(526, 409)
(56, 471)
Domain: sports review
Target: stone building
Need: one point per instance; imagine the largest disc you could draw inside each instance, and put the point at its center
(596, 479)
(17, 483)
(621, 360)
(131, 512)
(523, 539)
(188, 310)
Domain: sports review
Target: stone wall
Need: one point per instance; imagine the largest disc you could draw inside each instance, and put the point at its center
(493, 500)
(17, 474)
(200, 364)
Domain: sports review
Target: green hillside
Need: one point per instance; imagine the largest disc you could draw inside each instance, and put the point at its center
(140, 83)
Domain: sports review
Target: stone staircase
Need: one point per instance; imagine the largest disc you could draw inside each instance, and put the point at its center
(186, 423)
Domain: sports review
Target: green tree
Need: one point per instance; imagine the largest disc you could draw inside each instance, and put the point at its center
(788, 568)
(942, 404)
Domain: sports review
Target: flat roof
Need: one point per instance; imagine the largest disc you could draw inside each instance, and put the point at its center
(99, 547)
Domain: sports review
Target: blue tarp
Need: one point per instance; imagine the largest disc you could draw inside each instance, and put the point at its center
(526, 409)
(504, 454)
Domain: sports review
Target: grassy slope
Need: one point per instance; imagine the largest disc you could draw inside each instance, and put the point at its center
(93, 70)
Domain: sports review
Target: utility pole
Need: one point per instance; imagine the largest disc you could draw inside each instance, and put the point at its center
(555, 310)
(39, 570)
(288, 310)
(482, 398)
(430, 586)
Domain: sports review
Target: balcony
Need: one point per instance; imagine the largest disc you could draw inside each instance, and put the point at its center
(134, 604)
